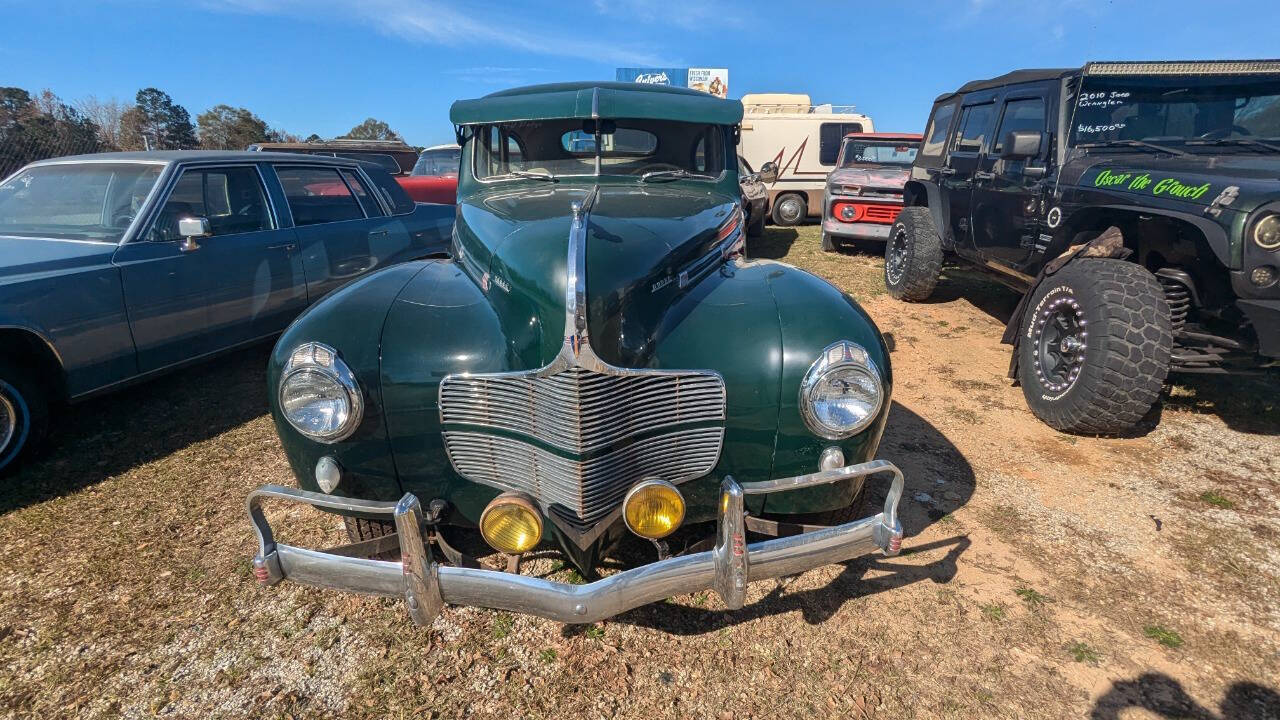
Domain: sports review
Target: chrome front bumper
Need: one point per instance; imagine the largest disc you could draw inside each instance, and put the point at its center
(427, 586)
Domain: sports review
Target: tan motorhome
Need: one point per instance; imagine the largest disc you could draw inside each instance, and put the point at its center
(804, 140)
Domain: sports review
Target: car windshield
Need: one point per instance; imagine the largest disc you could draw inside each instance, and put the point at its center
(76, 201)
(645, 149)
(877, 152)
(1176, 109)
(438, 162)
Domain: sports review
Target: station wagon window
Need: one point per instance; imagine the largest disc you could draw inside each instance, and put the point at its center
(232, 199)
(975, 123)
(830, 135)
(1020, 115)
(367, 200)
(317, 195)
(935, 137)
(553, 148)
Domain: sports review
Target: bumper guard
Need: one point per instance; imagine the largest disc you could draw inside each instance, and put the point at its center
(427, 586)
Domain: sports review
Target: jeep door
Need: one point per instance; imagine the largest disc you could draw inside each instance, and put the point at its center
(970, 141)
(1008, 192)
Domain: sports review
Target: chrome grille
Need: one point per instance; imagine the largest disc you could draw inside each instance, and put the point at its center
(578, 410)
(577, 439)
(582, 491)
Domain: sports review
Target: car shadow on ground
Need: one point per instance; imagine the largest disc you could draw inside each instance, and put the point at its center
(938, 481)
(112, 434)
(1164, 696)
(773, 244)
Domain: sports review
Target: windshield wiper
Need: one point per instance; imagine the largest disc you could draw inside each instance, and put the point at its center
(1238, 141)
(544, 175)
(674, 174)
(1134, 143)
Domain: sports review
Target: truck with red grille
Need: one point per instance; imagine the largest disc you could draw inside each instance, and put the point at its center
(864, 193)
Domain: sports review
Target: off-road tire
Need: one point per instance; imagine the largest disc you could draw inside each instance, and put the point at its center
(755, 225)
(782, 209)
(360, 529)
(1122, 312)
(828, 243)
(912, 256)
(23, 432)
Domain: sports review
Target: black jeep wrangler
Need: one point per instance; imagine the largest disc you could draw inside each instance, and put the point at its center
(1136, 205)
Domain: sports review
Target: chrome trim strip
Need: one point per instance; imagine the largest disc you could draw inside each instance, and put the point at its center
(727, 568)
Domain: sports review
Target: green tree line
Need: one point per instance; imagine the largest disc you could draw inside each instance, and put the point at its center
(35, 127)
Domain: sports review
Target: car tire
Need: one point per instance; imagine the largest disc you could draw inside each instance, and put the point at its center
(828, 243)
(360, 529)
(912, 256)
(790, 209)
(24, 416)
(755, 225)
(1095, 345)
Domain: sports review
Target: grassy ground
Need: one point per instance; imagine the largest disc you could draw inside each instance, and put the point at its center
(1044, 575)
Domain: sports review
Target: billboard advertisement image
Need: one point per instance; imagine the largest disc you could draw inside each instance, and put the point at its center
(709, 80)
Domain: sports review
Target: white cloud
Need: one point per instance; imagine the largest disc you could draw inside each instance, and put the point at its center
(433, 22)
(688, 15)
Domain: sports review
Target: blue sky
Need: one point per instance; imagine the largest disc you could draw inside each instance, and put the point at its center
(323, 65)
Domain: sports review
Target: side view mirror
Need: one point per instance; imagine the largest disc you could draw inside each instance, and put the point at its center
(768, 173)
(191, 228)
(1021, 144)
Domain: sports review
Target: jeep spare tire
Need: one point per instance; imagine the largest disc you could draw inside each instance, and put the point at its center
(912, 256)
(1094, 347)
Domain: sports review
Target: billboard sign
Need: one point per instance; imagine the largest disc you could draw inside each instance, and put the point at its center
(709, 80)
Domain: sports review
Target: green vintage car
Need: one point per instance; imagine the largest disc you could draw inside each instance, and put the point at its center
(597, 359)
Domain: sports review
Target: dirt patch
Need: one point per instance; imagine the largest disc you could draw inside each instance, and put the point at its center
(1044, 575)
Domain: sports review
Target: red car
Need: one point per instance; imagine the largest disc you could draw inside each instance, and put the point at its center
(864, 192)
(434, 178)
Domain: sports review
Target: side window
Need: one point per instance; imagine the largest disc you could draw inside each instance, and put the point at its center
(231, 199)
(317, 195)
(392, 194)
(975, 123)
(498, 152)
(830, 135)
(935, 137)
(1026, 114)
(706, 151)
(367, 200)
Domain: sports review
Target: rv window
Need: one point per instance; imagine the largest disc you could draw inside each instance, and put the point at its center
(936, 135)
(830, 135)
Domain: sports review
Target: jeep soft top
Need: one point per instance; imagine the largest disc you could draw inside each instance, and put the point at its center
(1137, 207)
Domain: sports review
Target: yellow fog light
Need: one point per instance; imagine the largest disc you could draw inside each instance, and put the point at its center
(511, 524)
(653, 509)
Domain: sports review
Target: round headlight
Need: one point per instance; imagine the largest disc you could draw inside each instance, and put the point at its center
(319, 396)
(511, 525)
(842, 392)
(653, 509)
(1267, 232)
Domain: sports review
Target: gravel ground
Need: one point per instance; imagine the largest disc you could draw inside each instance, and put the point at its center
(1044, 575)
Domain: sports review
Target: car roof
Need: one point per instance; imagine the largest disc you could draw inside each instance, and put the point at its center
(446, 146)
(178, 156)
(1011, 78)
(340, 144)
(916, 137)
(594, 99)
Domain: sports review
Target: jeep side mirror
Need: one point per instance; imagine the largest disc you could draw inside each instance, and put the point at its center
(1021, 144)
(768, 173)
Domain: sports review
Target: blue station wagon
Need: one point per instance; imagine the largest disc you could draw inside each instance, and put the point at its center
(117, 266)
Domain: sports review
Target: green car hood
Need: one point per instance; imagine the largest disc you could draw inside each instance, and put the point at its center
(1193, 179)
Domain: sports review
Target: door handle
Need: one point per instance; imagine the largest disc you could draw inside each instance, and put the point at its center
(377, 232)
(983, 175)
(283, 246)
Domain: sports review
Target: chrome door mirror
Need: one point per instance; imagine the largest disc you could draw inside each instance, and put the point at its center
(768, 173)
(191, 228)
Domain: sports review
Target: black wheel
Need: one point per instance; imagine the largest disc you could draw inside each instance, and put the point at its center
(360, 529)
(24, 416)
(790, 209)
(1094, 351)
(828, 243)
(755, 224)
(912, 256)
